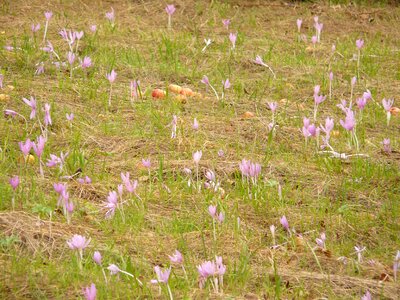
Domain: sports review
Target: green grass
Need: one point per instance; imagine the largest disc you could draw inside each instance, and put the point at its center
(355, 202)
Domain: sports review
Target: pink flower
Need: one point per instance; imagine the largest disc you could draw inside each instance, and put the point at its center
(353, 80)
(25, 147)
(273, 106)
(195, 125)
(361, 102)
(299, 22)
(78, 242)
(205, 80)
(113, 269)
(71, 57)
(162, 276)
(259, 60)
(47, 117)
(112, 76)
(221, 153)
(14, 182)
(39, 146)
(232, 38)
(226, 84)
(97, 257)
(284, 222)
(226, 23)
(359, 44)
(170, 9)
(331, 76)
(48, 15)
(387, 104)
(35, 28)
(350, 121)
(79, 34)
(386, 146)
(366, 296)
(93, 28)
(146, 163)
(90, 292)
(70, 117)
(212, 210)
(314, 39)
(176, 258)
(32, 104)
(111, 204)
(86, 62)
(197, 156)
(110, 15)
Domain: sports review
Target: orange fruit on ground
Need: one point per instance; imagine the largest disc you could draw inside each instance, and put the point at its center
(248, 115)
(158, 94)
(187, 92)
(174, 88)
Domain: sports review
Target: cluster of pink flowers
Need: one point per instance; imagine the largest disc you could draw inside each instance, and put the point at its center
(214, 270)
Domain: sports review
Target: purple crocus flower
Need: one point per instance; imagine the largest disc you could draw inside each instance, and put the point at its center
(35, 28)
(97, 257)
(387, 104)
(318, 99)
(176, 258)
(205, 80)
(195, 125)
(162, 276)
(113, 269)
(367, 95)
(170, 9)
(70, 117)
(14, 182)
(226, 84)
(78, 242)
(71, 57)
(221, 153)
(232, 38)
(47, 117)
(314, 39)
(90, 292)
(366, 296)
(48, 15)
(284, 222)
(53, 160)
(111, 204)
(353, 80)
(330, 76)
(299, 22)
(226, 23)
(197, 156)
(212, 210)
(359, 44)
(146, 163)
(273, 106)
(79, 35)
(112, 76)
(321, 241)
(361, 102)
(25, 147)
(32, 104)
(386, 146)
(93, 28)
(40, 69)
(350, 121)
(111, 16)
(38, 147)
(86, 62)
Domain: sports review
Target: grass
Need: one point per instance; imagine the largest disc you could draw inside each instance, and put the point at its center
(355, 201)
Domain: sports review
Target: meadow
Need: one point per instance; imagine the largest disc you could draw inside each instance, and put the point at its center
(199, 150)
